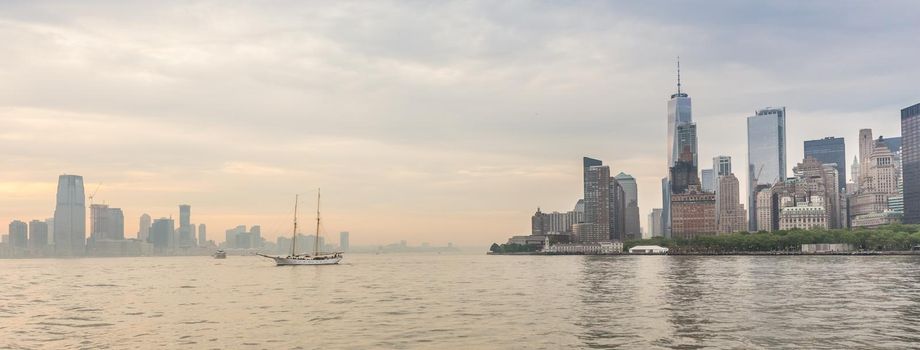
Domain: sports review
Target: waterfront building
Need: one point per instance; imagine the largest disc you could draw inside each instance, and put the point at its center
(538, 223)
(827, 248)
(766, 135)
(693, 213)
(708, 180)
(681, 135)
(343, 241)
(910, 160)
(592, 248)
(143, 230)
(654, 223)
(70, 217)
(605, 207)
(730, 213)
(631, 210)
(830, 150)
(38, 235)
(648, 249)
(19, 235)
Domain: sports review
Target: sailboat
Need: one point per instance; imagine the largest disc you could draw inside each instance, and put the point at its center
(317, 258)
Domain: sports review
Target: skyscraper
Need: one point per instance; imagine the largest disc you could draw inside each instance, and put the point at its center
(631, 191)
(910, 162)
(143, 230)
(830, 150)
(730, 214)
(654, 223)
(70, 217)
(161, 234)
(38, 235)
(19, 235)
(185, 223)
(343, 241)
(202, 234)
(766, 134)
(106, 223)
(597, 204)
(680, 135)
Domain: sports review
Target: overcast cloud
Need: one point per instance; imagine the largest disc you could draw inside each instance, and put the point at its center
(427, 121)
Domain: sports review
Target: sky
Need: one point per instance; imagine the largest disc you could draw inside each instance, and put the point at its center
(421, 121)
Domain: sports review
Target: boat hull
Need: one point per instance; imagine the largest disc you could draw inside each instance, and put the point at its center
(290, 261)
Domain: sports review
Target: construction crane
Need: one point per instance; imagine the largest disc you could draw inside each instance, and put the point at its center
(90, 197)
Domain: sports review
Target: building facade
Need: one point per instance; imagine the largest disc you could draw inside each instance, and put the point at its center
(70, 217)
(830, 150)
(693, 213)
(910, 160)
(766, 135)
(730, 214)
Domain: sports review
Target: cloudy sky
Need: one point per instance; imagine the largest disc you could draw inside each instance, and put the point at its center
(426, 121)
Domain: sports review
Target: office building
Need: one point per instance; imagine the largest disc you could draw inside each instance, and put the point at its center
(255, 234)
(143, 230)
(106, 223)
(830, 150)
(19, 235)
(766, 134)
(730, 214)
(202, 235)
(631, 212)
(654, 223)
(38, 235)
(343, 241)
(722, 165)
(186, 232)
(70, 217)
(693, 213)
(604, 200)
(708, 180)
(680, 136)
(162, 233)
(910, 161)
(666, 206)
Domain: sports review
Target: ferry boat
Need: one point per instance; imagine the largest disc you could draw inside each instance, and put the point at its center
(220, 254)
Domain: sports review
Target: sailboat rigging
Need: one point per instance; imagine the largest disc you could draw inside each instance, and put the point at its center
(317, 258)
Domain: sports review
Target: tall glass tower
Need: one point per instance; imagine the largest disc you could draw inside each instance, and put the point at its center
(681, 135)
(910, 160)
(766, 133)
(70, 217)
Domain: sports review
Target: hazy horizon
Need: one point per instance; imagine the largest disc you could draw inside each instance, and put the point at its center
(426, 122)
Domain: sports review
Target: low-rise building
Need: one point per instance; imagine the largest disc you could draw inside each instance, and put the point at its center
(827, 248)
(600, 248)
(648, 249)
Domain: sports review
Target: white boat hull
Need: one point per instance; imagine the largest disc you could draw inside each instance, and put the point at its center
(305, 260)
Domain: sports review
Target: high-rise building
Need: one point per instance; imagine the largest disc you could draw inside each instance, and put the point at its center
(343, 241)
(807, 200)
(693, 213)
(50, 222)
(879, 182)
(722, 165)
(830, 150)
(866, 145)
(539, 223)
(106, 223)
(910, 161)
(631, 190)
(766, 134)
(19, 235)
(143, 230)
(854, 175)
(654, 223)
(666, 206)
(680, 135)
(186, 237)
(118, 223)
(708, 180)
(162, 232)
(202, 234)
(730, 213)
(38, 235)
(684, 174)
(597, 203)
(70, 217)
(255, 235)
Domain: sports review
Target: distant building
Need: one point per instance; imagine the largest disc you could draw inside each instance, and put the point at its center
(144, 227)
(255, 233)
(631, 210)
(19, 235)
(604, 204)
(654, 223)
(830, 150)
(708, 180)
(879, 182)
(162, 232)
(343, 241)
(722, 165)
(106, 223)
(648, 249)
(693, 213)
(38, 235)
(766, 134)
(910, 160)
(202, 234)
(186, 230)
(766, 208)
(70, 217)
(730, 213)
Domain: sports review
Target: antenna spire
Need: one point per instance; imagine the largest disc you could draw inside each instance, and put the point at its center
(678, 75)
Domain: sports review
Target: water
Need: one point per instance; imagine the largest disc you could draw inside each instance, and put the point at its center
(463, 301)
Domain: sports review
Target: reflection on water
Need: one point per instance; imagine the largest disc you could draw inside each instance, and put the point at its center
(464, 301)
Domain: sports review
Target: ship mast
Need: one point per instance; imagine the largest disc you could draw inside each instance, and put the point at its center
(294, 235)
(316, 238)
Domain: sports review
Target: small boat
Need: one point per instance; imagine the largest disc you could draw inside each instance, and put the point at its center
(317, 258)
(220, 254)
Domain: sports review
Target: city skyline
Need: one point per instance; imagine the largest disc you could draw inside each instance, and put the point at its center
(452, 135)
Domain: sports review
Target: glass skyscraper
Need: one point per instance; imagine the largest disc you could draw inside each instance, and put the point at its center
(830, 150)
(681, 134)
(766, 133)
(70, 217)
(910, 161)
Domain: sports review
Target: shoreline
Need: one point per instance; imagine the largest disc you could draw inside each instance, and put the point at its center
(863, 253)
